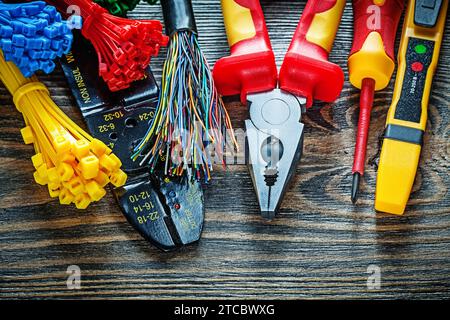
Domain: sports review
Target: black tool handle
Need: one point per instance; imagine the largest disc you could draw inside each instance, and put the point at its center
(178, 16)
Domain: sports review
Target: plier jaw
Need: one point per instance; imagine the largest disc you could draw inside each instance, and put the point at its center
(275, 145)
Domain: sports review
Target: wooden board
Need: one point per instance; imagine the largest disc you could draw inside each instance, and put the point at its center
(320, 246)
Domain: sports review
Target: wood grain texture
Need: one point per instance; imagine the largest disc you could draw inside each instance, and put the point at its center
(319, 246)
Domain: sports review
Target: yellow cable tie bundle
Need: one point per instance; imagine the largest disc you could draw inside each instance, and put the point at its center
(74, 166)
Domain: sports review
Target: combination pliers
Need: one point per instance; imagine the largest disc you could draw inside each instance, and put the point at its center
(277, 100)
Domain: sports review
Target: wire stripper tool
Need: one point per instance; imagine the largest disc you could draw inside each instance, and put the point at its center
(274, 130)
(169, 213)
(407, 117)
(371, 64)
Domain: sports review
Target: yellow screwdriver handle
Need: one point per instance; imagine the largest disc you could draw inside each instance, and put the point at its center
(375, 28)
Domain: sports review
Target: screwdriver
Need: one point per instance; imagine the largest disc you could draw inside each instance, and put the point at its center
(371, 64)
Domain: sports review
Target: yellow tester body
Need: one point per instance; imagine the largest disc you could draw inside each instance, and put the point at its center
(407, 117)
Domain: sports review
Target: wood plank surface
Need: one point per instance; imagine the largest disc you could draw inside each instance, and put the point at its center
(320, 245)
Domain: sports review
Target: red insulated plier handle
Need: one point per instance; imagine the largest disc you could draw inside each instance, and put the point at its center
(251, 67)
(305, 72)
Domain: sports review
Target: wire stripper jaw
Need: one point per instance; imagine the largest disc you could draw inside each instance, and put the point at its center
(122, 132)
(275, 145)
(167, 213)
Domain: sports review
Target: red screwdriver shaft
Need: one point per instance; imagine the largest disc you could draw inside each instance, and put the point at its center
(365, 110)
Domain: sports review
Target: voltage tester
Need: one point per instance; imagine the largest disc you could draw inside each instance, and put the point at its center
(407, 117)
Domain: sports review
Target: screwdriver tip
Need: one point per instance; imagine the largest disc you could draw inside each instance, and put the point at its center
(355, 186)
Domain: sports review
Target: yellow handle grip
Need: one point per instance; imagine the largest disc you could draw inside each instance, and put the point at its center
(243, 20)
(325, 24)
(371, 62)
(375, 28)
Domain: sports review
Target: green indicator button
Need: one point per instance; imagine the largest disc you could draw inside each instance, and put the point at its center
(420, 49)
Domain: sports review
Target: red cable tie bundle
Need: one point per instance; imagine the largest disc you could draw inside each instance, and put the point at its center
(124, 46)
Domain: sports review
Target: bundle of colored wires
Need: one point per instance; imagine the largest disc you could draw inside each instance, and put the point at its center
(74, 166)
(120, 8)
(191, 123)
(124, 47)
(32, 35)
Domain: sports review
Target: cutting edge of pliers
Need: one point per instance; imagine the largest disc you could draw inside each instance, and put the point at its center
(275, 145)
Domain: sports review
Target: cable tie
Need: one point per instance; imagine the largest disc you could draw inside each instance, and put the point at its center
(22, 91)
(121, 44)
(74, 166)
(28, 28)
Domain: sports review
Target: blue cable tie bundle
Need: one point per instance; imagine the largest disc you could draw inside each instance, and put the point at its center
(32, 35)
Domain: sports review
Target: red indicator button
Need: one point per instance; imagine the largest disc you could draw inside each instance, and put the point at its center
(417, 67)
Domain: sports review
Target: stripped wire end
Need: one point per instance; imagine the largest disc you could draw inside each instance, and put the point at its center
(191, 125)
(32, 35)
(74, 166)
